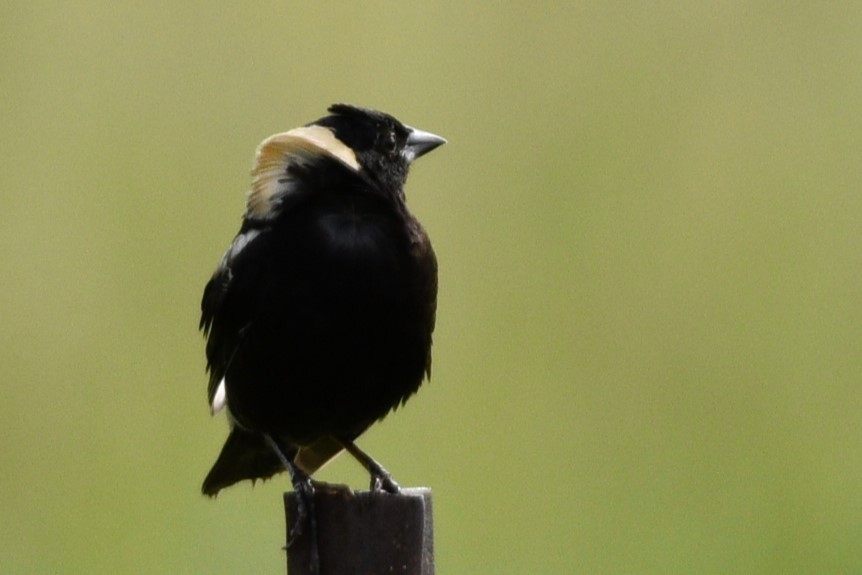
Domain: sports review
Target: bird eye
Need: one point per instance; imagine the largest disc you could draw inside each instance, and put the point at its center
(390, 142)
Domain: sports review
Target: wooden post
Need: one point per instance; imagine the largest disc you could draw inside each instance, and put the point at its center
(366, 532)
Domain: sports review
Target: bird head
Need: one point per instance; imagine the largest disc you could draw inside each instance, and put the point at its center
(383, 146)
(372, 144)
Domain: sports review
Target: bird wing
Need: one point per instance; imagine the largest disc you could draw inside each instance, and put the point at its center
(275, 187)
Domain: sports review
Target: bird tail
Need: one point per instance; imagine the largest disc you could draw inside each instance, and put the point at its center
(245, 455)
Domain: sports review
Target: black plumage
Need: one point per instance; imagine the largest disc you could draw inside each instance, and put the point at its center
(319, 317)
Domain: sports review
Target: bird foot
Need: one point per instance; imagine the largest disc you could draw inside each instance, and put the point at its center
(384, 482)
(381, 480)
(304, 488)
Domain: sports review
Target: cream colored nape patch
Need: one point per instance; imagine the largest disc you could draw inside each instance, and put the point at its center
(276, 153)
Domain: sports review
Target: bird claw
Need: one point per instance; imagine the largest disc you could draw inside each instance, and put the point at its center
(303, 486)
(384, 482)
(296, 528)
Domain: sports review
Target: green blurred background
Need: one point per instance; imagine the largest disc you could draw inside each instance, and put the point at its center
(648, 223)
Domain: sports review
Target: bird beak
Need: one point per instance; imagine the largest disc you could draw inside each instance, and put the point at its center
(420, 143)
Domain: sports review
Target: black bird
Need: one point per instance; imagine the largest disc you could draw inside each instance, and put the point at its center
(319, 316)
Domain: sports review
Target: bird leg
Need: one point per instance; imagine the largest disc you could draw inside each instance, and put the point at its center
(304, 488)
(381, 480)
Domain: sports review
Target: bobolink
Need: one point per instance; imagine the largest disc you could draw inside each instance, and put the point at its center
(319, 316)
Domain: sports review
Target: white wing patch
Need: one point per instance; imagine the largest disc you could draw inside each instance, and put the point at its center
(270, 179)
(220, 398)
